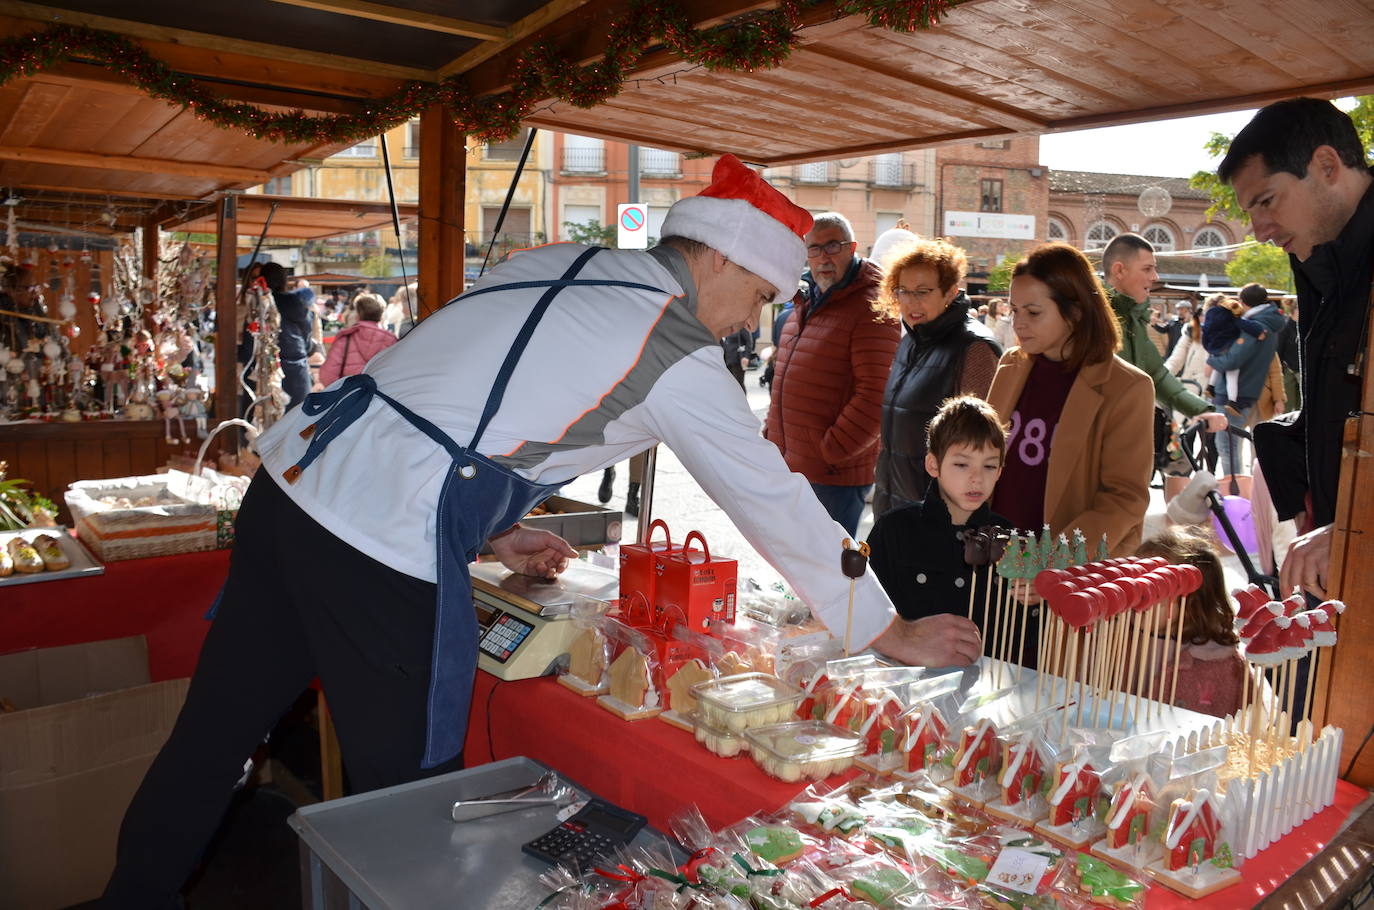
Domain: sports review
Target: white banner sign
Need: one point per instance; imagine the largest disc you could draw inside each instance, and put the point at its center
(990, 224)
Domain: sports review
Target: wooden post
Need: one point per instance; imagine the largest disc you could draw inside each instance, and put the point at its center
(443, 186)
(1343, 698)
(151, 234)
(226, 317)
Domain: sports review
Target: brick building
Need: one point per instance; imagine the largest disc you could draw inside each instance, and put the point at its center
(992, 198)
(1088, 209)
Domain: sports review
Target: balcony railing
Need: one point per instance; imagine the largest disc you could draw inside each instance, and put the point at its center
(659, 163)
(584, 160)
(889, 173)
(816, 172)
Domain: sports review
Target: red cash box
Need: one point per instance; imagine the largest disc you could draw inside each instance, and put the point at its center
(693, 585)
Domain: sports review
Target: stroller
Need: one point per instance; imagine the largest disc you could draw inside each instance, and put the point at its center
(1188, 440)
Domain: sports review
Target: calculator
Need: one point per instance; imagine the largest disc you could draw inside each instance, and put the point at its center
(595, 830)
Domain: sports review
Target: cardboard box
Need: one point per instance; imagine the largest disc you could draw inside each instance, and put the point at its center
(71, 757)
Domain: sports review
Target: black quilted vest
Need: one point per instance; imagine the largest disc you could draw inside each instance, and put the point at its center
(924, 373)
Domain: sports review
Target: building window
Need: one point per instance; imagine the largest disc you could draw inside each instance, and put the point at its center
(365, 149)
(1099, 234)
(659, 163)
(990, 196)
(1161, 238)
(515, 229)
(1056, 231)
(815, 172)
(583, 155)
(278, 186)
(412, 149)
(1209, 239)
(509, 150)
(656, 215)
(887, 169)
(582, 215)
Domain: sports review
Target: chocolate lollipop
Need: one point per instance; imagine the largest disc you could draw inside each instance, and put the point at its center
(853, 563)
(977, 546)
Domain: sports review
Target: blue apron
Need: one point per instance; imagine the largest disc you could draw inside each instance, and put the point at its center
(479, 498)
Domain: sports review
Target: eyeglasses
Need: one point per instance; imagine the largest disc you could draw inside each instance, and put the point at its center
(916, 294)
(829, 249)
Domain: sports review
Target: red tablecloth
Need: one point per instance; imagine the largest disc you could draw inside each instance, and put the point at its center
(163, 598)
(655, 769)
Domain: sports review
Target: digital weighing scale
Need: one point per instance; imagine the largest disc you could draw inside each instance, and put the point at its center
(524, 623)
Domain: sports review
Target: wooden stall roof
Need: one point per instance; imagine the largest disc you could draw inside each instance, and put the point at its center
(990, 68)
(295, 217)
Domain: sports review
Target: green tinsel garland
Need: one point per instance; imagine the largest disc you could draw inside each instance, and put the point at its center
(757, 41)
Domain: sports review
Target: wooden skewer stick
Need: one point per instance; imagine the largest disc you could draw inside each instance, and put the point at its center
(1041, 663)
(1178, 651)
(1025, 621)
(987, 601)
(972, 587)
(1072, 654)
(1083, 676)
(1311, 687)
(1123, 624)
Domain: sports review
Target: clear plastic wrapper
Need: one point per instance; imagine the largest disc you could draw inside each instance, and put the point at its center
(589, 655)
(1133, 816)
(737, 703)
(1023, 779)
(1107, 886)
(724, 743)
(634, 678)
(749, 646)
(803, 749)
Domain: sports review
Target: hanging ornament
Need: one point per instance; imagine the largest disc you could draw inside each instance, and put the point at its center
(66, 308)
(71, 330)
(11, 235)
(93, 298)
(5, 355)
(51, 349)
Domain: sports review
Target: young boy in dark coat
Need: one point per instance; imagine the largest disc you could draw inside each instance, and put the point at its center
(916, 551)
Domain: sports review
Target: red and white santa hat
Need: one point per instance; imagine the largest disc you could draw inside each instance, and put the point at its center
(750, 222)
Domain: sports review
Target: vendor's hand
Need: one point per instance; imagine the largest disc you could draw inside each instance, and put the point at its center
(1213, 421)
(531, 551)
(942, 640)
(1307, 563)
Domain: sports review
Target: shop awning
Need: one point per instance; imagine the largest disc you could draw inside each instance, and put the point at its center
(296, 218)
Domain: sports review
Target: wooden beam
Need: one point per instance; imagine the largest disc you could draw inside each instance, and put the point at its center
(443, 185)
(51, 15)
(151, 249)
(89, 191)
(1361, 86)
(519, 31)
(136, 165)
(379, 12)
(226, 314)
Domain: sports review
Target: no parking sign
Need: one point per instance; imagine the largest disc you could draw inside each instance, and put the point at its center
(632, 226)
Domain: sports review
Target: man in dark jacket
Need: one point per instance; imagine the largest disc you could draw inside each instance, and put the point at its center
(293, 339)
(1251, 357)
(1299, 170)
(831, 365)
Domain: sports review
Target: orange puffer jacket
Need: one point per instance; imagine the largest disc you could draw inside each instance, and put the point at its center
(830, 369)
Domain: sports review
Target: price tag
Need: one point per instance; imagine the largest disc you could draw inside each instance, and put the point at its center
(1018, 870)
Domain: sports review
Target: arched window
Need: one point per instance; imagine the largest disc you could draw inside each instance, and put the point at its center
(1161, 238)
(1056, 231)
(1100, 233)
(1207, 238)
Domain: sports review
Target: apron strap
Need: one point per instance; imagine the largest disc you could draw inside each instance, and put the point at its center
(522, 339)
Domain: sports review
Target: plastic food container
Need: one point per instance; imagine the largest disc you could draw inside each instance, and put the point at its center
(720, 742)
(737, 703)
(807, 749)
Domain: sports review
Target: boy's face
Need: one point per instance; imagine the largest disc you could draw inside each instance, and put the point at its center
(967, 476)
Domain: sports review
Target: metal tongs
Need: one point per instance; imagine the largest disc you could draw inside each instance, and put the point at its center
(547, 791)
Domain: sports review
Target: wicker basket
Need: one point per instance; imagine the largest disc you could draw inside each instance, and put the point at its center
(113, 533)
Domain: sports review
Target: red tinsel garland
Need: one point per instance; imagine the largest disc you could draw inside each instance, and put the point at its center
(756, 41)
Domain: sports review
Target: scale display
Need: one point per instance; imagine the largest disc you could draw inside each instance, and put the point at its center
(524, 623)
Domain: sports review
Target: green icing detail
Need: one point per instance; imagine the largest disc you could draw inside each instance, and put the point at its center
(881, 884)
(770, 843)
(1101, 880)
(968, 867)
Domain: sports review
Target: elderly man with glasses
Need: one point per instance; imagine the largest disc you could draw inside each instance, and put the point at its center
(830, 370)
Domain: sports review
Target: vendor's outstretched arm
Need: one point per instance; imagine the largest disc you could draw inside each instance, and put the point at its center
(697, 409)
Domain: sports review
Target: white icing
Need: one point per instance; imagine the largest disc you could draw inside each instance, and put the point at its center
(978, 734)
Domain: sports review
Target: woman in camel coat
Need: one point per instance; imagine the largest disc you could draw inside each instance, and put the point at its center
(1080, 446)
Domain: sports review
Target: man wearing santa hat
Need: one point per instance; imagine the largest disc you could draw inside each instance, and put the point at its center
(354, 539)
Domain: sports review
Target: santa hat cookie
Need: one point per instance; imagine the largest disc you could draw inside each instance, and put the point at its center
(751, 223)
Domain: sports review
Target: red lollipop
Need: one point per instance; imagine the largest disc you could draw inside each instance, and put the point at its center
(1142, 590)
(1153, 562)
(1046, 579)
(1117, 599)
(1076, 609)
(1192, 578)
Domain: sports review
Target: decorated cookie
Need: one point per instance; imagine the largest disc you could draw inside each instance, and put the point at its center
(776, 844)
